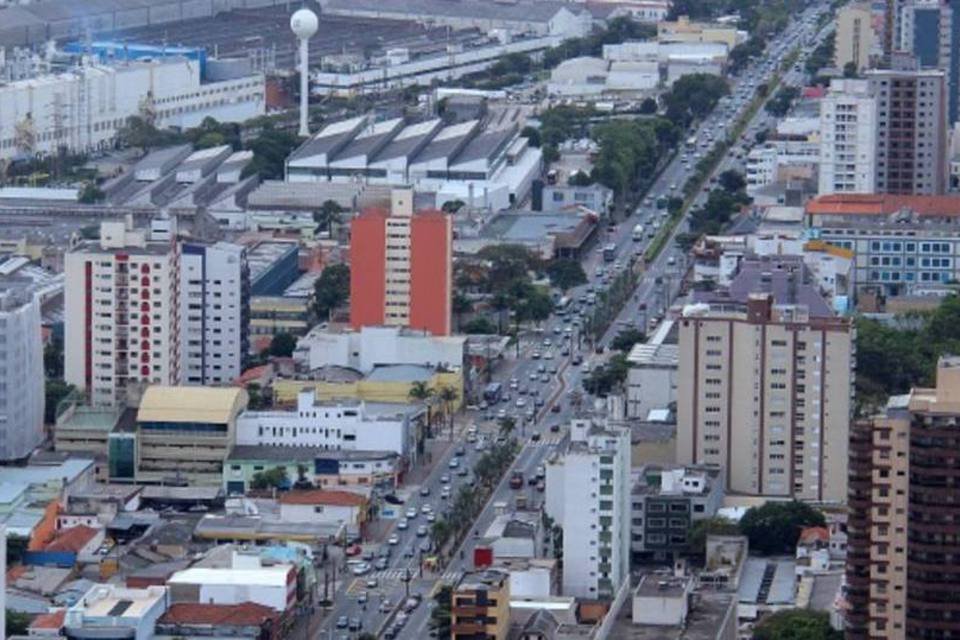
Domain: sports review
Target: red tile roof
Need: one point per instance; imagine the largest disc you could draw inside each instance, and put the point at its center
(883, 204)
(814, 534)
(49, 620)
(73, 539)
(253, 373)
(322, 496)
(243, 614)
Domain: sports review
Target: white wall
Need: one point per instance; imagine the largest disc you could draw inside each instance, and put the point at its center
(327, 514)
(530, 583)
(379, 345)
(650, 388)
(21, 376)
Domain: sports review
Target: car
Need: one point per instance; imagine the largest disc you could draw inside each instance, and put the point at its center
(412, 603)
(483, 405)
(539, 402)
(424, 490)
(533, 376)
(392, 499)
(555, 409)
(553, 367)
(425, 546)
(555, 428)
(460, 451)
(425, 509)
(360, 568)
(454, 463)
(368, 555)
(403, 523)
(480, 446)
(545, 378)
(548, 355)
(535, 437)
(522, 391)
(372, 583)
(431, 517)
(411, 513)
(385, 606)
(380, 564)
(521, 403)
(393, 539)
(541, 368)
(354, 624)
(445, 478)
(471, 438)
(422, 531)
(514, 383)
(408, 552)
(535, 355)
(557, 330)
(463, 472)
(342, 622)
(547, 342)
(353, 550)
(501, 414)
(445, 493)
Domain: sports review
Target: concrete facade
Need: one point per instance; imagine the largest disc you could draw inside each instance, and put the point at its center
(22, 398)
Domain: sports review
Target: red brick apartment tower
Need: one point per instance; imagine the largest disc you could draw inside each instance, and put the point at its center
(401, 267)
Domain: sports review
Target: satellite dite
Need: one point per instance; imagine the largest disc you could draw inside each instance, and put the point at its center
(304, 24)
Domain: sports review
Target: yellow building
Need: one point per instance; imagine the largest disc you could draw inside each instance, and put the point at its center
(270, 315)
(480, 607)
(685, 31)
(185, 433)
(371, 389)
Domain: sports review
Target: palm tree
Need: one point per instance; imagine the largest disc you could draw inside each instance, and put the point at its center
(507, 425)
(420, 392)
(449, 396)
(440, 533)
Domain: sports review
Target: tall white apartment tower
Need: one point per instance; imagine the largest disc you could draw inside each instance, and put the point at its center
(588, 494)
(121, 304)
(21, 370)
(848, 138)
(214, 312)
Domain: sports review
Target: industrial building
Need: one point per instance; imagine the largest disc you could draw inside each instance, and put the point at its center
(474, 161)
(82, 108)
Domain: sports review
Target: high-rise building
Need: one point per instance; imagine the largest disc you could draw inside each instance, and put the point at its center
(930, 31)
(848, 138)
(911, 130)
(764, 385)
(214, 312)
(903, 562)
(401, 267)
(588, 495)
(855, 38)
(122, 311)
(480, 606)
(21, 369)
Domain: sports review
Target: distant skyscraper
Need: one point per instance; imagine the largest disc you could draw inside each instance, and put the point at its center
(401, 266)
(21, 370)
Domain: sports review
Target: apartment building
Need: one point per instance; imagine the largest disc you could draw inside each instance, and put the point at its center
(122, 312)
(588, 494)
(904, 504)
(480, 606)
(930, 31)
(215, 312)
(855, 39)
(765, 385)
(21, 369)
(900, 243)
(401, 267)
(848, 138)
(912, 130)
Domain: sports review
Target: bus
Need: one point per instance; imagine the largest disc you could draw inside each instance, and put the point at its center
(692, 143)
(562, 305)
(610, 252)
(492, 392)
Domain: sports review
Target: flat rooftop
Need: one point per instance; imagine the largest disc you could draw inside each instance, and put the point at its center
(704, 620)
(303, 454)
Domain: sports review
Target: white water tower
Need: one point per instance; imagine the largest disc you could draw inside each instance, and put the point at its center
(304, 24)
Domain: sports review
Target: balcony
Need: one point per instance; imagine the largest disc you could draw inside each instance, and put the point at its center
(467, 628)
(468, 610)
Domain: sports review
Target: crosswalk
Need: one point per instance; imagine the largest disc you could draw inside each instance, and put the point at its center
(397, 575)
(547, 440)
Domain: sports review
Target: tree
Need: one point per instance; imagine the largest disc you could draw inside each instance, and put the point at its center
(732, 181)
(259, 398)
(53, 358)
(91, 193)
(566, 273)
(332, 289)
(701, 529)
(16, 546)
(17, 623)
(850, 70)
(796, 624)
(282, 345)
(460, 305)
(507, 424)
(774, 527)
(532, 134)
(693, 97)
(275, 478)
(580, 179)
(449, 396)
(626, 339)
(479, 326)
(420, 392)
(303, 482)
(607, 377)
(270, 151)
(781, 103)
(648, 107)
(329, 215)
(440, 533)
(440, 614)
(138, 132)
(452, 206)
(54, 392)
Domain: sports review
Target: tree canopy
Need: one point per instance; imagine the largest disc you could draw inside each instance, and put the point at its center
(693, 97)
(566, 273)
(282, 345)
(796, 624)
(332, 289)
(626, 339)
(774, 527)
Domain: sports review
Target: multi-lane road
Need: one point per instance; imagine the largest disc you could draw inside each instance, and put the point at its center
(373, 599)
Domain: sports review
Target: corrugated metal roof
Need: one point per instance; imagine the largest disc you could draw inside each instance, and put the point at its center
(189, 404)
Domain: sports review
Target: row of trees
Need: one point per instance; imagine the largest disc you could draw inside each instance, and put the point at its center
(721, 205)
(693, 97)
(445, 397)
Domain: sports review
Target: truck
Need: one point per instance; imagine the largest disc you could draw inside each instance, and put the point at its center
(516, 480)
(610, 252)
(638, 233)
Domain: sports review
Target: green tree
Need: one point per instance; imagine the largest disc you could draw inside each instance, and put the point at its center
(302, 482)
(53, 358)
(420, 392)
(608, 377)
(460, 305)
(329, 215)
(54, 391)
(532, 134)
(796, 624)
(282, 345)
(259, 398)
(332, 289)
(580, 179)
(732, 181)
(452, 206)
(139, 133)
(440, 614)
(648, 107)
(17, 623)
(449, 397)
(506, 425)
(566, 273)
(209, 140)
(774, 527)
(274, 478)
(440, 533)
(693, 97)
(91, 193)
(626, 339)
(850, 70)
(270, 151)
(781, 103)
(701, 529)
(479, 326)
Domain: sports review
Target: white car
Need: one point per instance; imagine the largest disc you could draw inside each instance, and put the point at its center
(403, 523)
(521, 403)
(411, 513)
(426, 509)
(393, 540)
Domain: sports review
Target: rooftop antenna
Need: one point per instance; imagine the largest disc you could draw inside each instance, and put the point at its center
(304, 25)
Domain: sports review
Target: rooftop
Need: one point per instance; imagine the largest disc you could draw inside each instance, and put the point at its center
(195, 613)
(111, 601)
(323, 497)
(303, 454)
(883, 204)
(213, 405)
(401, 373)
(523, 11)
(72, 540)
(661, 586)
(275, 576)
(778, 575)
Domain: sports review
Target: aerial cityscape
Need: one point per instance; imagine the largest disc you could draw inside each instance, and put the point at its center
(480, 319)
